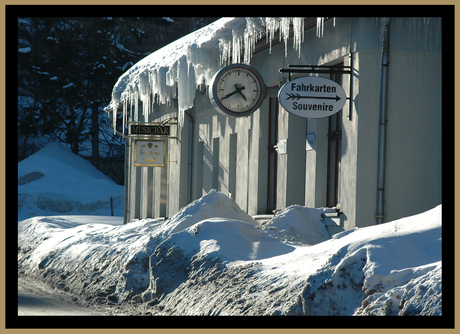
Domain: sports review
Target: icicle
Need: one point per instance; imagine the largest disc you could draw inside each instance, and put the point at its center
(114, 118)
(252, 33)
(186, 88)
(160, 85)
(320, 27)
(236, 48)
(224, 50)
(249, 43)
(123, 117)
(130, 104)
(318, 22)
(136, 107)
(144, 90)
(152, 93)
(298, 24)
(284, 32)
(272, 24)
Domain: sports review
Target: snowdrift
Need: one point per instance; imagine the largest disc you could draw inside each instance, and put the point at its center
(209, 259)
(56, 181)
(289, 225)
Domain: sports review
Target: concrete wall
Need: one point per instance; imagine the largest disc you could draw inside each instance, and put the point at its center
(413, 163)
(230, 158)
(362, 142)
(316, 165)
(413, 166)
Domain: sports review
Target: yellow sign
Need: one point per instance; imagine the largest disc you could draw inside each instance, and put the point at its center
(149, 153)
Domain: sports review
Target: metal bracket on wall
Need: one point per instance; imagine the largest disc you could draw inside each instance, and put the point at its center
(324, 70)
(331, 214)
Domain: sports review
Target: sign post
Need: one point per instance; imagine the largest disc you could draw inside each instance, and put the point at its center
(312, 97)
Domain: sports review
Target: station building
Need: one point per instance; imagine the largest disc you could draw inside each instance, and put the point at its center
(375, 160)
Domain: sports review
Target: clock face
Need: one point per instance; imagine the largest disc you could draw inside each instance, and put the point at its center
(237, 90)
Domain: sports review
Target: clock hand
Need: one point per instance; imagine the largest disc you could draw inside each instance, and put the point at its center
(242, 95)
(239, 91)
(228, 95)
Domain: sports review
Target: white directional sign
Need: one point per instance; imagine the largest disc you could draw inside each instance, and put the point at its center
(312, 97)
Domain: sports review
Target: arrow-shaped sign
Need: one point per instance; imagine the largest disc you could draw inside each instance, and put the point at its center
(298, 97)
(312, 97)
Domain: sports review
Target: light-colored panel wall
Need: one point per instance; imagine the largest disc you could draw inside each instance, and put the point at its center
(413, 163)
(414, 135)
(143, 192)
(366, 146)
(133, 187)
(295, 192)
(242, 165)
(316, 165)
(282, 160)
(258, 158)
(177, 165)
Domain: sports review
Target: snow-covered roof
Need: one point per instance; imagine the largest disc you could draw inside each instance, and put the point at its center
(194, 58)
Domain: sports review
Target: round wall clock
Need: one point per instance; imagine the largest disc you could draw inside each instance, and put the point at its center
(237, 90)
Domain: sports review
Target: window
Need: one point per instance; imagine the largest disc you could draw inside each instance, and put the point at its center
(215, 164)
(334, 153)
(232, 166)
(272, 154)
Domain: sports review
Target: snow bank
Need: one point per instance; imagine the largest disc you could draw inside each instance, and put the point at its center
(378, 267)
(113, 261)
(297, 224)
(211, 259)
(91, 260)
(213, 204)
(56, 181)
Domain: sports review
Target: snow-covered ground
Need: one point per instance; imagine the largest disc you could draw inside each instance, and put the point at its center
(211, 258)
(54, 181)
(34, 298)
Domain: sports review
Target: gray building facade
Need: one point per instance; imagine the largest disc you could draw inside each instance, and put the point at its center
(389, 132)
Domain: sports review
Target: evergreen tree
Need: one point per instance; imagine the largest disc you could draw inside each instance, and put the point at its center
(67, 68)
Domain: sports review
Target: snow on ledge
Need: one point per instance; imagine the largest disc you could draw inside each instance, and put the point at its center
(176, 70)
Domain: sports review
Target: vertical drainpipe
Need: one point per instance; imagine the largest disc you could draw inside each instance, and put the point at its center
(190, 159)
(383, 120)
(127, 183)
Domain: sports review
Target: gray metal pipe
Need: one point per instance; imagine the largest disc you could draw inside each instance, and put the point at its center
(383, 121)
(127, 181)
(190, 159)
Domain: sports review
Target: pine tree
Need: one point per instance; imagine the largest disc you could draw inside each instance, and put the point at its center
(67, 68)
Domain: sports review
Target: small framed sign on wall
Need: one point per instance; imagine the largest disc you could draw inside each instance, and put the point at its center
(149, 153)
